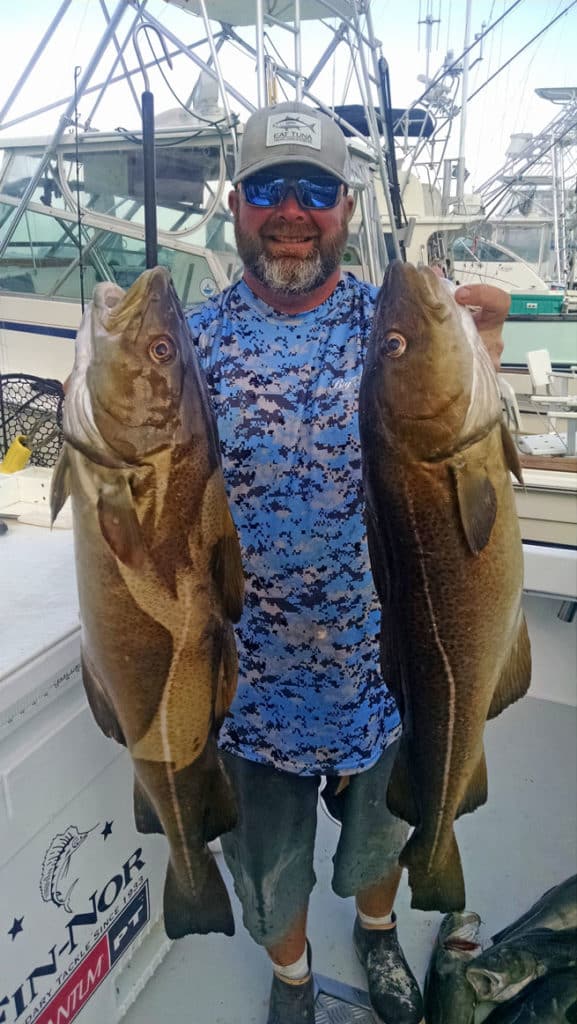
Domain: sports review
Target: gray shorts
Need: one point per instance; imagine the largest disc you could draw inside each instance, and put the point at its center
(270, 852)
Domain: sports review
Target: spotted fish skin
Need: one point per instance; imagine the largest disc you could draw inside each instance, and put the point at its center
(447, 560)
(159, 575)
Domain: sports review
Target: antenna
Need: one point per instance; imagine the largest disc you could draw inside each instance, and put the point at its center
(429, 20)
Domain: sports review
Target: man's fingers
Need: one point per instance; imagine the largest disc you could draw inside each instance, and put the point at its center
(493, 303)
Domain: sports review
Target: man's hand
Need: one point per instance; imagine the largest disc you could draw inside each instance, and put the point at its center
(490, 308)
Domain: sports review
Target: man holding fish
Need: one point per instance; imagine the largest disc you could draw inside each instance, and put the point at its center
(283, 351)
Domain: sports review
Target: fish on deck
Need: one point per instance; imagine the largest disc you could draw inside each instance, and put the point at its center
(449, 998)
(159, 575)
(447, 560)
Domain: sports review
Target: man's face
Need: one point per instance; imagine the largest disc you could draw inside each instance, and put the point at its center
(287, 247)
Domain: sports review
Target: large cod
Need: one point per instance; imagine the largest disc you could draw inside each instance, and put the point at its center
(447, 560)
(159, 575)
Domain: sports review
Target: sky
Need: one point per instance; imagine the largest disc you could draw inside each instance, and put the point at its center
(506, 105)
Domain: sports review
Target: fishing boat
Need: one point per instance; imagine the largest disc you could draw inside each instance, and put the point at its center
(81, 934)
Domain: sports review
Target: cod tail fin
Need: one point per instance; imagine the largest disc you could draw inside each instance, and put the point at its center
(209, 910)
(438, 885)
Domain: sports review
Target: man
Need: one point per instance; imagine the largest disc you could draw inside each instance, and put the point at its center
(283, 353)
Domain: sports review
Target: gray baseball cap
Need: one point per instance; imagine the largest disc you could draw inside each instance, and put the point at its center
(292, 133)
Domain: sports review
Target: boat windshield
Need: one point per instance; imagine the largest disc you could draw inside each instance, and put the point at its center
(97, 194)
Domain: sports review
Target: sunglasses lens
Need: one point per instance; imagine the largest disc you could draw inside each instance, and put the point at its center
(263, 191)
(318, 193)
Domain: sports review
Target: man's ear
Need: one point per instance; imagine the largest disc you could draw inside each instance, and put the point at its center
(233, 200)
(350, 205)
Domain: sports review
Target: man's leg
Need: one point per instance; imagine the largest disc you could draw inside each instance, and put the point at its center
(293, 945)
(378, 900)
(270, 856)
(366, 866)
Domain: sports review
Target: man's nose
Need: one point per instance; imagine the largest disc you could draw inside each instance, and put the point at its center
(289, 204)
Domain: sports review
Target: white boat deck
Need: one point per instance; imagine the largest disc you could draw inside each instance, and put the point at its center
(513, 849)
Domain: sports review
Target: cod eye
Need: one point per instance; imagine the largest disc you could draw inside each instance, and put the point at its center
(394, 344)
(162, 350)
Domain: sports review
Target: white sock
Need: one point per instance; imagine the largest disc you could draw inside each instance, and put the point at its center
(375, 922)
(293, 972)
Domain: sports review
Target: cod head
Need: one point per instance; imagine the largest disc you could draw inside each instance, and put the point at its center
(428, 377)
(127, 396)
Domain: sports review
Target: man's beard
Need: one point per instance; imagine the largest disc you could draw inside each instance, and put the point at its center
(289, 274)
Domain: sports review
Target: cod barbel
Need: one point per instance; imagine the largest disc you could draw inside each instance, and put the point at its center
(447, 561)
(159, 575)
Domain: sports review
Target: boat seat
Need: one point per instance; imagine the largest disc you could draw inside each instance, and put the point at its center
(552, 443)
(550, 393)
(549, 386)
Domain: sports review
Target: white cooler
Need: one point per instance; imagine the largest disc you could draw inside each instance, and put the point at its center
(80, 890)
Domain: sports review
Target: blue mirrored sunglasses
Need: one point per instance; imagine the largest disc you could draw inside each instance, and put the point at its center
(313, 193)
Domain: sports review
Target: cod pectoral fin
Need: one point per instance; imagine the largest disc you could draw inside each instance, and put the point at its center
(119, 523)
(477, 503)
(516, 674)
(60, 484)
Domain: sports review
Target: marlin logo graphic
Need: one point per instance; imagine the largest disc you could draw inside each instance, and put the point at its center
(56, 867)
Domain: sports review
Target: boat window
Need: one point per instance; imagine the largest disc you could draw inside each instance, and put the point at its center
(479, 250)
(525, 240)
(42, 258)
(18, 173)
(192, 184)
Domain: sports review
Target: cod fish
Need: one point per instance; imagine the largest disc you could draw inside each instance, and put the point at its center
(449, 997)
(556, 909)
(501, 972)
(553, 1000)
(159, 575)
(447, 561)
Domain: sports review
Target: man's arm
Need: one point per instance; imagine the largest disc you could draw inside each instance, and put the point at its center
(490, 308)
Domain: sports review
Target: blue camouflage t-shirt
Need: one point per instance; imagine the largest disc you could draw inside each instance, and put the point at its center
(310, 697)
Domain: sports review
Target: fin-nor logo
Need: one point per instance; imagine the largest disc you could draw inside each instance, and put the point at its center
(293, 128)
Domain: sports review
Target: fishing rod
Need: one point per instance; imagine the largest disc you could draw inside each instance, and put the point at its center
(77, 71)
(503, 66)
